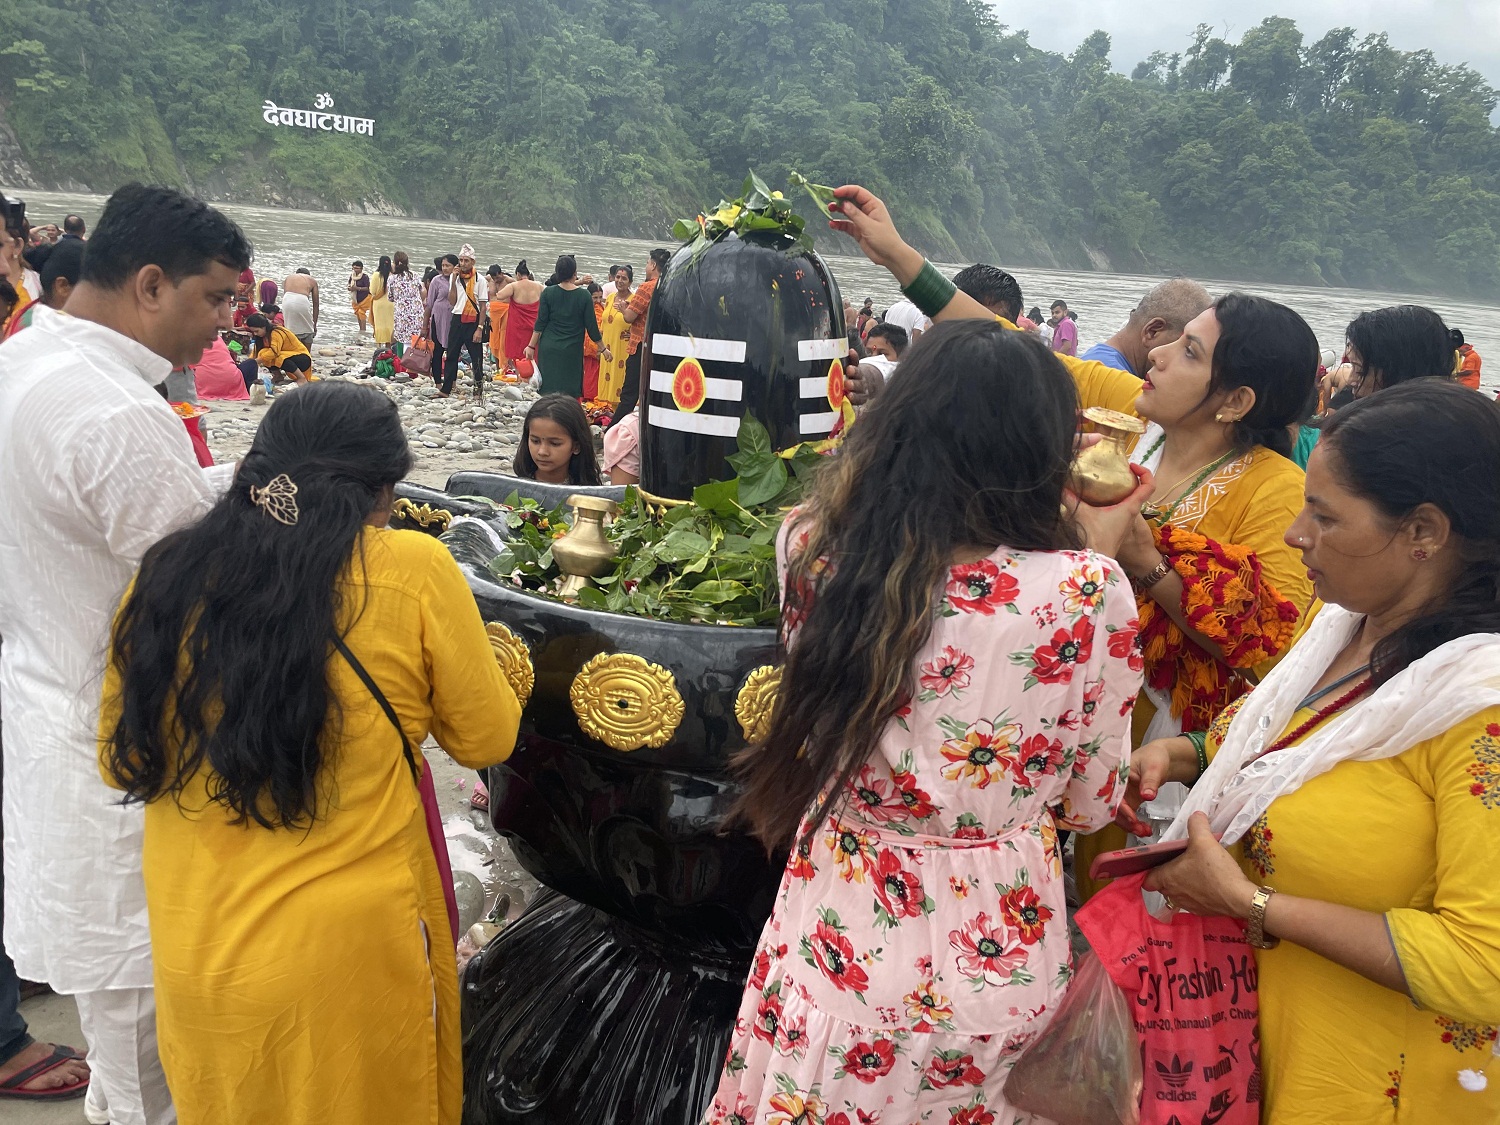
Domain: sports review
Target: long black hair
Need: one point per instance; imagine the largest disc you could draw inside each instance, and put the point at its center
(223, 643)
(583, 468)
(1269, 348)
(1400, 343)
(384, 269)
(1429, 441)
(968, 446)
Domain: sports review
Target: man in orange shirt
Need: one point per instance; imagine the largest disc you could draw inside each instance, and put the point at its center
(1466, 360)
(635, 316)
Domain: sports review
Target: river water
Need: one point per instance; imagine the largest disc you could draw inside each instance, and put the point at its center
(326, 243)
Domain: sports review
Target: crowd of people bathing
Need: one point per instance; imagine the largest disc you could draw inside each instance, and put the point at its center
(970, 656)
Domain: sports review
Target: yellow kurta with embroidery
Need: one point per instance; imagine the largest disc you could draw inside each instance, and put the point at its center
(613, 334)
(307, 977)
(1249, 502)
(1415, 837)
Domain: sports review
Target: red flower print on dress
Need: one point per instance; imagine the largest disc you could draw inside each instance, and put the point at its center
(1093, 692)
(867, 1061)
(928, 1009)
(799, 864)
(830, 952)
(951, 1068)
(760, 968)
(1039, 757)
(967, 827)
(959, 887)
(1125, 644)
(917, 802)
(973, 1114)
(791, 1036)
(877, 798)
(980, 588)
(948, 673)
(898, 892)
(990, 952)
(768, 1015)
(743, 1112)
(982, 754)
(924, 964)
(1083, 589)
(1053, 663)
(1024, 912)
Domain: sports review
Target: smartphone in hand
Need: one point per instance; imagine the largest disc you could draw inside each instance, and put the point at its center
(1132, 861)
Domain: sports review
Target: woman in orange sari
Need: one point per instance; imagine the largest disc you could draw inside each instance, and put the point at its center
(1220, 593)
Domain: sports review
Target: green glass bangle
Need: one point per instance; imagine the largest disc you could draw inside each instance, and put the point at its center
(930, 291)
(1199, 739)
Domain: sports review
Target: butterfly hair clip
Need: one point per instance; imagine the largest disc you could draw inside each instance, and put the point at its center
(278, 499)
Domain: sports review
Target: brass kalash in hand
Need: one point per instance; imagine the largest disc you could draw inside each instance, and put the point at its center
(1101, 473)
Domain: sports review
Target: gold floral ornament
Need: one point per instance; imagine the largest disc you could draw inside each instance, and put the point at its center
(278, 499)
(626, 702)
(423, 515)
(514, 659)
(756, 701)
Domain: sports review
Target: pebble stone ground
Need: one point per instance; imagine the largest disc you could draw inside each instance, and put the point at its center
(446, 434)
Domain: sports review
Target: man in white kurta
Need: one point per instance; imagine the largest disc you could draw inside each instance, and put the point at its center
(96, 468)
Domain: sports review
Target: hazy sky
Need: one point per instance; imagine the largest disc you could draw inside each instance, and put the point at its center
(1454, 30)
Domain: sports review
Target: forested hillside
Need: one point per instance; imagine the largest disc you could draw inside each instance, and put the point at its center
(1338, 160)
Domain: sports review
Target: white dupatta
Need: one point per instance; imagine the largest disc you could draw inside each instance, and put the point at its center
(1443, 688)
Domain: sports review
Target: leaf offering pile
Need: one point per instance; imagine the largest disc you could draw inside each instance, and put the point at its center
(708, 561)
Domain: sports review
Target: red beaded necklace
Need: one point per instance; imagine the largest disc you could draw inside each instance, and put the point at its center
(1359, 689)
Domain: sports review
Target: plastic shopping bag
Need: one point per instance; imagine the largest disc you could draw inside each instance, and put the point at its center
(1085, 1066)
(1193, 990)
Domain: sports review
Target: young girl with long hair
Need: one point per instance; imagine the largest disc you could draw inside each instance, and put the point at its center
(294, 896)
(556, 444)
(957, 686)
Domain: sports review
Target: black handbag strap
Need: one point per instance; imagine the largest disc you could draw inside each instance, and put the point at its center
(385, 705)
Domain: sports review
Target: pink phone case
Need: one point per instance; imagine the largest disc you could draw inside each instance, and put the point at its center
(1130, 861)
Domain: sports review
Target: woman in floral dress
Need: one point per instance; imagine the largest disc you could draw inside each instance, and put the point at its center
(406, 294)
(958, 686)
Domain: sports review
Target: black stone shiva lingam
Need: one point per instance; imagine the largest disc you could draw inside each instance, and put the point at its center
(611, 1000)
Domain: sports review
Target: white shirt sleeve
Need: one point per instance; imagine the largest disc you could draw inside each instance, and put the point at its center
(136, 475)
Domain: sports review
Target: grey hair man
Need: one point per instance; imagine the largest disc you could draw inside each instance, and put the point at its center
(1159, 319)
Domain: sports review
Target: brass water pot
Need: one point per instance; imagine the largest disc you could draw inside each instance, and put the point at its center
(1101, 473)
(584, 552)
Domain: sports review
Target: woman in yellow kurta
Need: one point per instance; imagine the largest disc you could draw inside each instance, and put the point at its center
(1221, 593)
(304, 968)
(278, 349)
(382, 309)
(613, 335)
(1359, 785)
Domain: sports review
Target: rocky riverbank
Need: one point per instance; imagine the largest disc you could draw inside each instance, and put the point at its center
(446, 434)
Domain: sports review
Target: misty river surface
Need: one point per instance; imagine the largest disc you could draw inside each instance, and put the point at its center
(326, 243)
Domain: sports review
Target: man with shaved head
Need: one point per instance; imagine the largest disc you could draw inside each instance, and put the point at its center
(1159, 319)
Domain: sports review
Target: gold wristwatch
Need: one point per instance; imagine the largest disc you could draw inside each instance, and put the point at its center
(1256, 933)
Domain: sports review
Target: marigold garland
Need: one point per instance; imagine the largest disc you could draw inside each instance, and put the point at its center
(1227, 599)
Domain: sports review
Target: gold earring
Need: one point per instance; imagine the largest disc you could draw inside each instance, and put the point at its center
(1218, 417)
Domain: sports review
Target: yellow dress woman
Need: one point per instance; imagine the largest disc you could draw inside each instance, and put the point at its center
(1359, 784)
(614, 333)
(301, 948)
(1220, 592)
(382, 310)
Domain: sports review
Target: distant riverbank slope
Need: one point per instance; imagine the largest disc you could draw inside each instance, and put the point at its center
(1339, 160)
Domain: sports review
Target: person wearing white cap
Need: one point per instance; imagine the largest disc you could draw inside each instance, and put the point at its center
(468, 291)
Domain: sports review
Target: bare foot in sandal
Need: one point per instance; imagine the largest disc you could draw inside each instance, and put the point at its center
(51, 1073)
